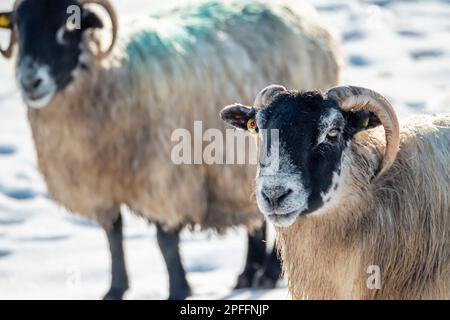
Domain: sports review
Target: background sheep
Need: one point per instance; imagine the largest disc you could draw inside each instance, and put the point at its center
(348, 201)
(99, 131)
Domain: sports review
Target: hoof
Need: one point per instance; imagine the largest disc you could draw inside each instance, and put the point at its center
(181, 294)
(266, 281)
(114, 294)
(245, 280)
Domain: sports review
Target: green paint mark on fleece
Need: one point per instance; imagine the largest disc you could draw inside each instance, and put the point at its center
(168, 34)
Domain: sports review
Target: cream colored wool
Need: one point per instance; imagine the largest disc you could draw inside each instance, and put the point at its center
(400, 223)
(106, 139)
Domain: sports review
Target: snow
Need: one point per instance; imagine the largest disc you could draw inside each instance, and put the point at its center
(399, 48)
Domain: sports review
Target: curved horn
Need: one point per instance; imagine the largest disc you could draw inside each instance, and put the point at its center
(114, 21)
(7, 53)
(356, 98)
(266, 95)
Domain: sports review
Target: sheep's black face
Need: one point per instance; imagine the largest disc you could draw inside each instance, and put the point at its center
(50, 46)
(311, 143)
(313, 135)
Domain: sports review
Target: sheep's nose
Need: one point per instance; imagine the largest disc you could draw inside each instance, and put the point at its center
(31, 83)
(274, 196)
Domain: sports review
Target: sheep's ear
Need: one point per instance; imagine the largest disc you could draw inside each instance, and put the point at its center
(6, 20)
(361, 120)
(90, 20)
(238, 115)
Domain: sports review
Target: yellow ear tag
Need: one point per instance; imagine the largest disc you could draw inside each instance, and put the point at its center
(251, 125)
(5, 21)
(366, 123)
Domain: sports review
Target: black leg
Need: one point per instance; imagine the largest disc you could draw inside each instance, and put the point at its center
(256, 255)
(168, 242)
(271, 273)
(119, 277)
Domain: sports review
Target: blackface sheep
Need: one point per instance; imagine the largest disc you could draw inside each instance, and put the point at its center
(361, 212)
(102, 120)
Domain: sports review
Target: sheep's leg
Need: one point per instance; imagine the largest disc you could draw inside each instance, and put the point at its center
(119, 277)
(271, 273)
(256, 255)
(168, 242)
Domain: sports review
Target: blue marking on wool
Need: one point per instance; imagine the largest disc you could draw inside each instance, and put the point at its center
(173, 33)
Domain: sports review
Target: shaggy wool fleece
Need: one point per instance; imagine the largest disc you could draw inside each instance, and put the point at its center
(400, 223)
(106, 139)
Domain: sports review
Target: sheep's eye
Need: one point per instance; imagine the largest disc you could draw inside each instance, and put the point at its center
(60, 36)
(333, 133)
(251, 126)
(64, 33)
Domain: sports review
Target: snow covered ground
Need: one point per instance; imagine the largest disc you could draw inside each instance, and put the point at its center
(400, 48)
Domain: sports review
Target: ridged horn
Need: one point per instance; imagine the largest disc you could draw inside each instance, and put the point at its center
(352, 98)
(114, 21)
(266, 95)
(7, 53)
